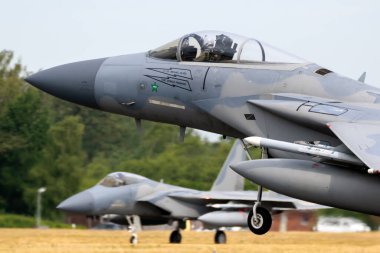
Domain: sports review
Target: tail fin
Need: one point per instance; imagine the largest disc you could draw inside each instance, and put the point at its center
(229, 180)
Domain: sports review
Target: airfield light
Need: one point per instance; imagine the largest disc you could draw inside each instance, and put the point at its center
(39, 207)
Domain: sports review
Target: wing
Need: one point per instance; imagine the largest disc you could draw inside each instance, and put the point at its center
(356, 125)
(244, 199)
(362, 139)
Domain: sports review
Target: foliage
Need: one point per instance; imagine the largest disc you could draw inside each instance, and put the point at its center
(23, 127)
(16, 221)
(184, 164)
(22, 221)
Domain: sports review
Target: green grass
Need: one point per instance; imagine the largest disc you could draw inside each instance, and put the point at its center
(21, 221)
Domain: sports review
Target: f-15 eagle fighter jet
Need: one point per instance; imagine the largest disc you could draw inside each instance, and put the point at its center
(319, 130)
(131, 199)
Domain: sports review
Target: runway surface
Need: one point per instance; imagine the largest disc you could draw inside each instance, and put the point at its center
(72, 241)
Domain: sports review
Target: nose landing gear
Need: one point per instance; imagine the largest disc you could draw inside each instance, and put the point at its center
(260, 224)
(134, 239)
(175, 237)
(220, 237)
(134, 223)
(259, 219)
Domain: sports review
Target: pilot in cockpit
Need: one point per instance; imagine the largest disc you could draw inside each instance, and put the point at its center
(191, 47)
(223, 45)
(207, 49)
(117, 179)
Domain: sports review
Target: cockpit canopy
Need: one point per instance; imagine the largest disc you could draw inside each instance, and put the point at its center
(221, 47)
(117, 179)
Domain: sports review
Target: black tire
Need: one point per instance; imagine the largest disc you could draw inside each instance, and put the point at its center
(133, 240)
(220, 237)
(263, 224)
(175, 237)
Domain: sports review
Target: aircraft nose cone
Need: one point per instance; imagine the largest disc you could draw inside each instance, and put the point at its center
(73, 82)
(82, 202)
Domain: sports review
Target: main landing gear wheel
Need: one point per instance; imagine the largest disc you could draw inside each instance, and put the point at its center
(262, 223)
(220, 237)
(133, 240)
(175, 237)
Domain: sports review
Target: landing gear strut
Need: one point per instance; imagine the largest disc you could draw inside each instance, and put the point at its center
(135, 226)
(220, 237)
(175, 236)
(259, 219)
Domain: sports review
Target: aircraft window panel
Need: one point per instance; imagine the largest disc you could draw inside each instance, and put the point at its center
(328, 109)
(251, 52)
(221, 47)
(190, 49)
(110, 181)
(210, 47)
(167, 51)
(117, 179)
(275, 55)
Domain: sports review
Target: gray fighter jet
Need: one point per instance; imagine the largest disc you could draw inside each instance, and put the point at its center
(133, 200)
(320, 130)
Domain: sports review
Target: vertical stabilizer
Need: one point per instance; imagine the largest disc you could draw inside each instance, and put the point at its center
(229, 180)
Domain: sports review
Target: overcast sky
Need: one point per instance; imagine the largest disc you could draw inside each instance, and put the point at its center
(341, 35)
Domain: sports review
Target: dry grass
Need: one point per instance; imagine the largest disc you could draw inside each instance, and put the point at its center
(72, 241)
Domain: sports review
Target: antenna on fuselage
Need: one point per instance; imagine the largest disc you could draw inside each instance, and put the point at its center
(362, 77)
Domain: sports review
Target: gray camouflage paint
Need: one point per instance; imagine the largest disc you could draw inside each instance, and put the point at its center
(216, 97)
(228, 180)
(157, 202)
